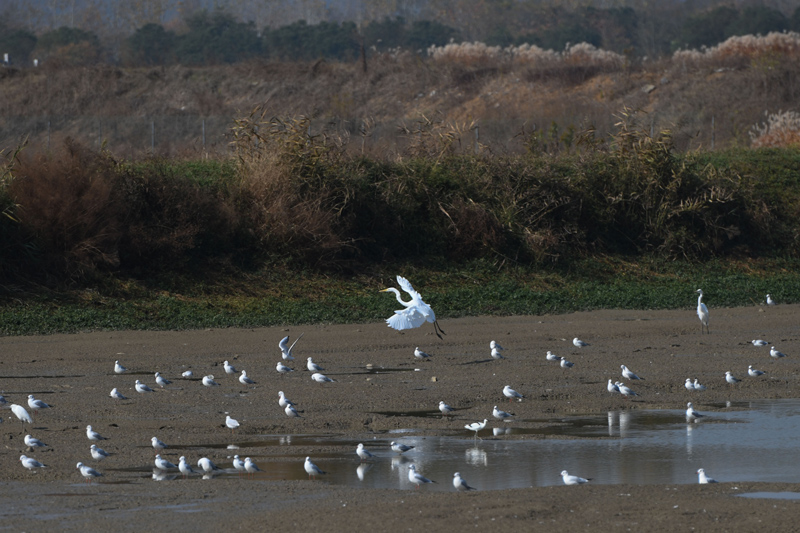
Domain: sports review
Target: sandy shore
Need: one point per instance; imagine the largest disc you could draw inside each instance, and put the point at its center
(74, 373)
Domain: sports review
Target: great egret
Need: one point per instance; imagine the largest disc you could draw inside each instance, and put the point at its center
(416, 311)
(702, 311)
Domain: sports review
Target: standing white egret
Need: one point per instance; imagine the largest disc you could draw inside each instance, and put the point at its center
(416, 311)
(22, 414)
(702, 312)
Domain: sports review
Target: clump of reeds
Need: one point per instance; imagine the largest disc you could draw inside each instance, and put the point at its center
(781, 130)
(743, 50)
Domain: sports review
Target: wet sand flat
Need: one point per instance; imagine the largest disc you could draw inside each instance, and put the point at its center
(376, 382)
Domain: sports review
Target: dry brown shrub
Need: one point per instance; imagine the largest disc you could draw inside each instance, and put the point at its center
(781, 130)
(69, 203)
(475, 230)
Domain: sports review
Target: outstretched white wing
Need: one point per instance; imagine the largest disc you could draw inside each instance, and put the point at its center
(406, 319)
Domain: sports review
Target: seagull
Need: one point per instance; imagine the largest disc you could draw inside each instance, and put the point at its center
(416, 311)
(500, 415)
(312, 366)
(698, 386)
(118, 368)
(400, 448)
(753, 372)
(775, 353)
(496, 346)
(579, 343)
(88, 472)
(496, 354)
(445, 409)
(141, 387)
(284, 401)
(33, 442)
(30, 463)
(552, 357)
(21, 414)
(185, 467)
(566, 364)
(759, 342)
(572, 480)
(730, 378)
(93, 435)
(206, 464)
(417, 478)
(770, 301)
(476, 426)
(231, 423)
(229, 368)
(187, 374)
(691, 414)
(419, 354)
(238, 464)
(510, 393)
(117, 395)
(625, 390)
(311, 469)
(291, 412)
(161, 380)
(321, 378)
(157, 444)
(98, 453)
(612, 387)
(244, 380)
(702, 311)
(688, 384)
(35, 404)
(460, 483)
(283, 369)
(286, 350)
(251, 467)
(163, 464)
(627, 374)
(363, 453)
(208, 381)
(703, 478)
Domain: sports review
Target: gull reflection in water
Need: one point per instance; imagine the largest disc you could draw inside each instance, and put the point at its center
(286, 440)
(209, 475)
(501, 431)
(160, 475)
(398, 461)
(612, 420)
(476, 456)
(689, 438)
(624, 423)
(362, 469)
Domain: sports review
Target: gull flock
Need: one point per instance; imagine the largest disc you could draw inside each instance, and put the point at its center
(414, 314)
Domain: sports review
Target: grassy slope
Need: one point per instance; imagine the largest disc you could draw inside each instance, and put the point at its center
(271, 298)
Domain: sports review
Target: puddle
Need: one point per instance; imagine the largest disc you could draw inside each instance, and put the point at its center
(426, 413)
(40, 377)
(772, 495)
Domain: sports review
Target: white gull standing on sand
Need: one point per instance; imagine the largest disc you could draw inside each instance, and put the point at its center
(30, 463)
(702, 478)
(572, 480)
(460, 483)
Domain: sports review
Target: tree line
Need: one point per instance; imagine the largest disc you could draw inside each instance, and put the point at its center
(217, 37)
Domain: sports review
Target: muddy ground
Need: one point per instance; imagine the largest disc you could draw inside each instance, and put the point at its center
(376, 383)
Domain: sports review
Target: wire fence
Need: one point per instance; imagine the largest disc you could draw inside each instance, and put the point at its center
(162, 136)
